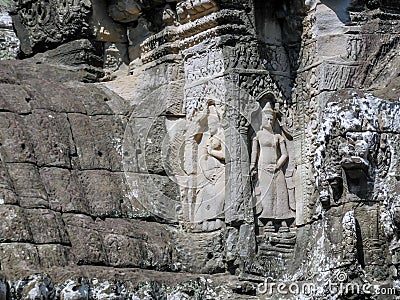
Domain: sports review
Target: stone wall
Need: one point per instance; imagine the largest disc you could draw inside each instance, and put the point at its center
(201, 150)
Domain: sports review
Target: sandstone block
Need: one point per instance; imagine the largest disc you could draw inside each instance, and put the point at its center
(64, 190)
(16, 143)
(14, 226)
(53, 143)
(14, 98)
(96, 141)
(31, 192)
(54, 255)
(102, 190)
(19, 256)
(46, 226)
(87, 243)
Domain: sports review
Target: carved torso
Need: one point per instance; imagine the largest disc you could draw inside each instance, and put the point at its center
(268, 147)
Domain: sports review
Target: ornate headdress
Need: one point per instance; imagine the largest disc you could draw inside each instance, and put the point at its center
(268, 110)
(213, 114)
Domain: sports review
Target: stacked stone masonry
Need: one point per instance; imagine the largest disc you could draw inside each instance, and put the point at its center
(201, 149)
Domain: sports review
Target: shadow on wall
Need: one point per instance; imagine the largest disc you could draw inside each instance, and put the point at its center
(279, 26)
(340, 8)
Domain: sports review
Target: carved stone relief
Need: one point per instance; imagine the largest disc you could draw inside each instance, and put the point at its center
(194, 9)
(112, 61)
(243, 146)
(52, 22)
(9, 43)
(270, 154)
(247, 177)
(210, 188)
(356, 155)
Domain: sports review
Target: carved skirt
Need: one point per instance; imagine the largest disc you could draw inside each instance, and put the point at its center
(210, 200)
(272, 196)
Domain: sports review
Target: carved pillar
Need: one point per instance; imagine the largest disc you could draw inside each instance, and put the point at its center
(237, 156)
(300, 172)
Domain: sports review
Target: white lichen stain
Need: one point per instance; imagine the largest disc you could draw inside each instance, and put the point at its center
(117, 145)
(103, 291)
(70, 292)
(134, 193)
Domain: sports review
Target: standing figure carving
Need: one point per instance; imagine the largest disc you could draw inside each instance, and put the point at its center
(210, 200)
(268, 159)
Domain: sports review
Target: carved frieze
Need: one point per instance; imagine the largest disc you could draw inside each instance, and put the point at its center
(194, 9)
(213, 24)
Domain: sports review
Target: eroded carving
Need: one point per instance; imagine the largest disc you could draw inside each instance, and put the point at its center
(53, 21)
(356, 154)
(194, 9)
(210, 200)
(269, 156)
(113, 59)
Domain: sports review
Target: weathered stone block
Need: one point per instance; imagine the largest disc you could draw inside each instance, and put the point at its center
(14, 226)
(136, 243)
(14, 98)
(53, 143)
(119, 243)
(153, 143)
(204, 254)
(26, 71)
(51, 95)
(74, 53)
(123, 251)
(46, 226)
(157, 194)
(7, 73)
(102, 191)
(7, 193)
(8, 196)
(19, 256)
(31, 192)
(64, 190)
(96, 140)
(115, 102)
(54, 255)
(87, 243)
(93, 99)
(16, 143)
(148, 145)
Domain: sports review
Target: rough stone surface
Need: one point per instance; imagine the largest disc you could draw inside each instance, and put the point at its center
(201, 150)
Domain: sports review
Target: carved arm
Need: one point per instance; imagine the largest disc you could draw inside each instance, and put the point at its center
(217, 153)
(220, 154)
(254, 153)
(284, 154)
